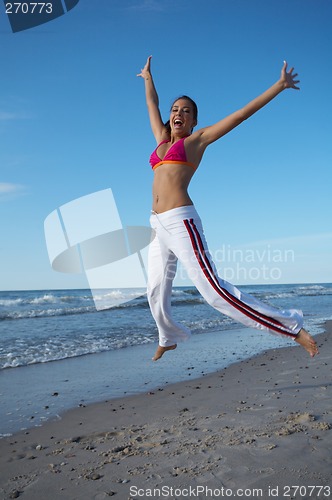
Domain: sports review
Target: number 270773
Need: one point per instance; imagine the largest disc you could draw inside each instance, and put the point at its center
(28, 7)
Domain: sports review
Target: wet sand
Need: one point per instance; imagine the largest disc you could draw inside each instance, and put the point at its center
(263, 425)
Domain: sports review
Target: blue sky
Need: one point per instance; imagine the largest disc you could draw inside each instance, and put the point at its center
(73, 121)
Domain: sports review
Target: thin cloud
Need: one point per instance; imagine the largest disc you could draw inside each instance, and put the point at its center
(8, 189)
(4, 116)
(14, 115)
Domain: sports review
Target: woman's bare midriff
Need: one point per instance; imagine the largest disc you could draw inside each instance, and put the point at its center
(170, 187)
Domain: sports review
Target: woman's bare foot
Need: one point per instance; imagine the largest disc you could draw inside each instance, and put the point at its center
(161, 350)
(305, 340)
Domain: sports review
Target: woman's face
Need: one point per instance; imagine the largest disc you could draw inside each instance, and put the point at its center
(182, 119)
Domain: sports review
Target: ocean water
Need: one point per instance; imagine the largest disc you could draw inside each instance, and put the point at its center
(56, 342)
(48, 325)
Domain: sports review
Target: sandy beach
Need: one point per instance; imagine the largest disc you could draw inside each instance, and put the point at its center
(259, 428)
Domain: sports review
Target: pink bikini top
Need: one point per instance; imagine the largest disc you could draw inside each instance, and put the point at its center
(175, 154)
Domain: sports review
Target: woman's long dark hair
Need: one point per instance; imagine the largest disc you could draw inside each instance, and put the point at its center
(195, 111)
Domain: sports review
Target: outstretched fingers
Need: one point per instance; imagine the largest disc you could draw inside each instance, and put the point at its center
(289, 78)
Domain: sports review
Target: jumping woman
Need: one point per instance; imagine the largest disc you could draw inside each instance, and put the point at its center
(178, 228)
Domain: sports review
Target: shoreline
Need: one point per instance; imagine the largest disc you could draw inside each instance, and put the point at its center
(265, 422)
(61, 385)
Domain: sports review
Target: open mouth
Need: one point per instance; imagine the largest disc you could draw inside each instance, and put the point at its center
(178, 123)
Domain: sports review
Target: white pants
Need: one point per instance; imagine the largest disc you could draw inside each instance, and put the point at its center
(180, 236)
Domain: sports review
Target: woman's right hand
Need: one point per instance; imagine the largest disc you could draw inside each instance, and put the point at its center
(287, 78)
(146, 71)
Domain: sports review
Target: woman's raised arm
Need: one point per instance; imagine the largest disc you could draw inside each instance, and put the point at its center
(152, 102)
(214, 132)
